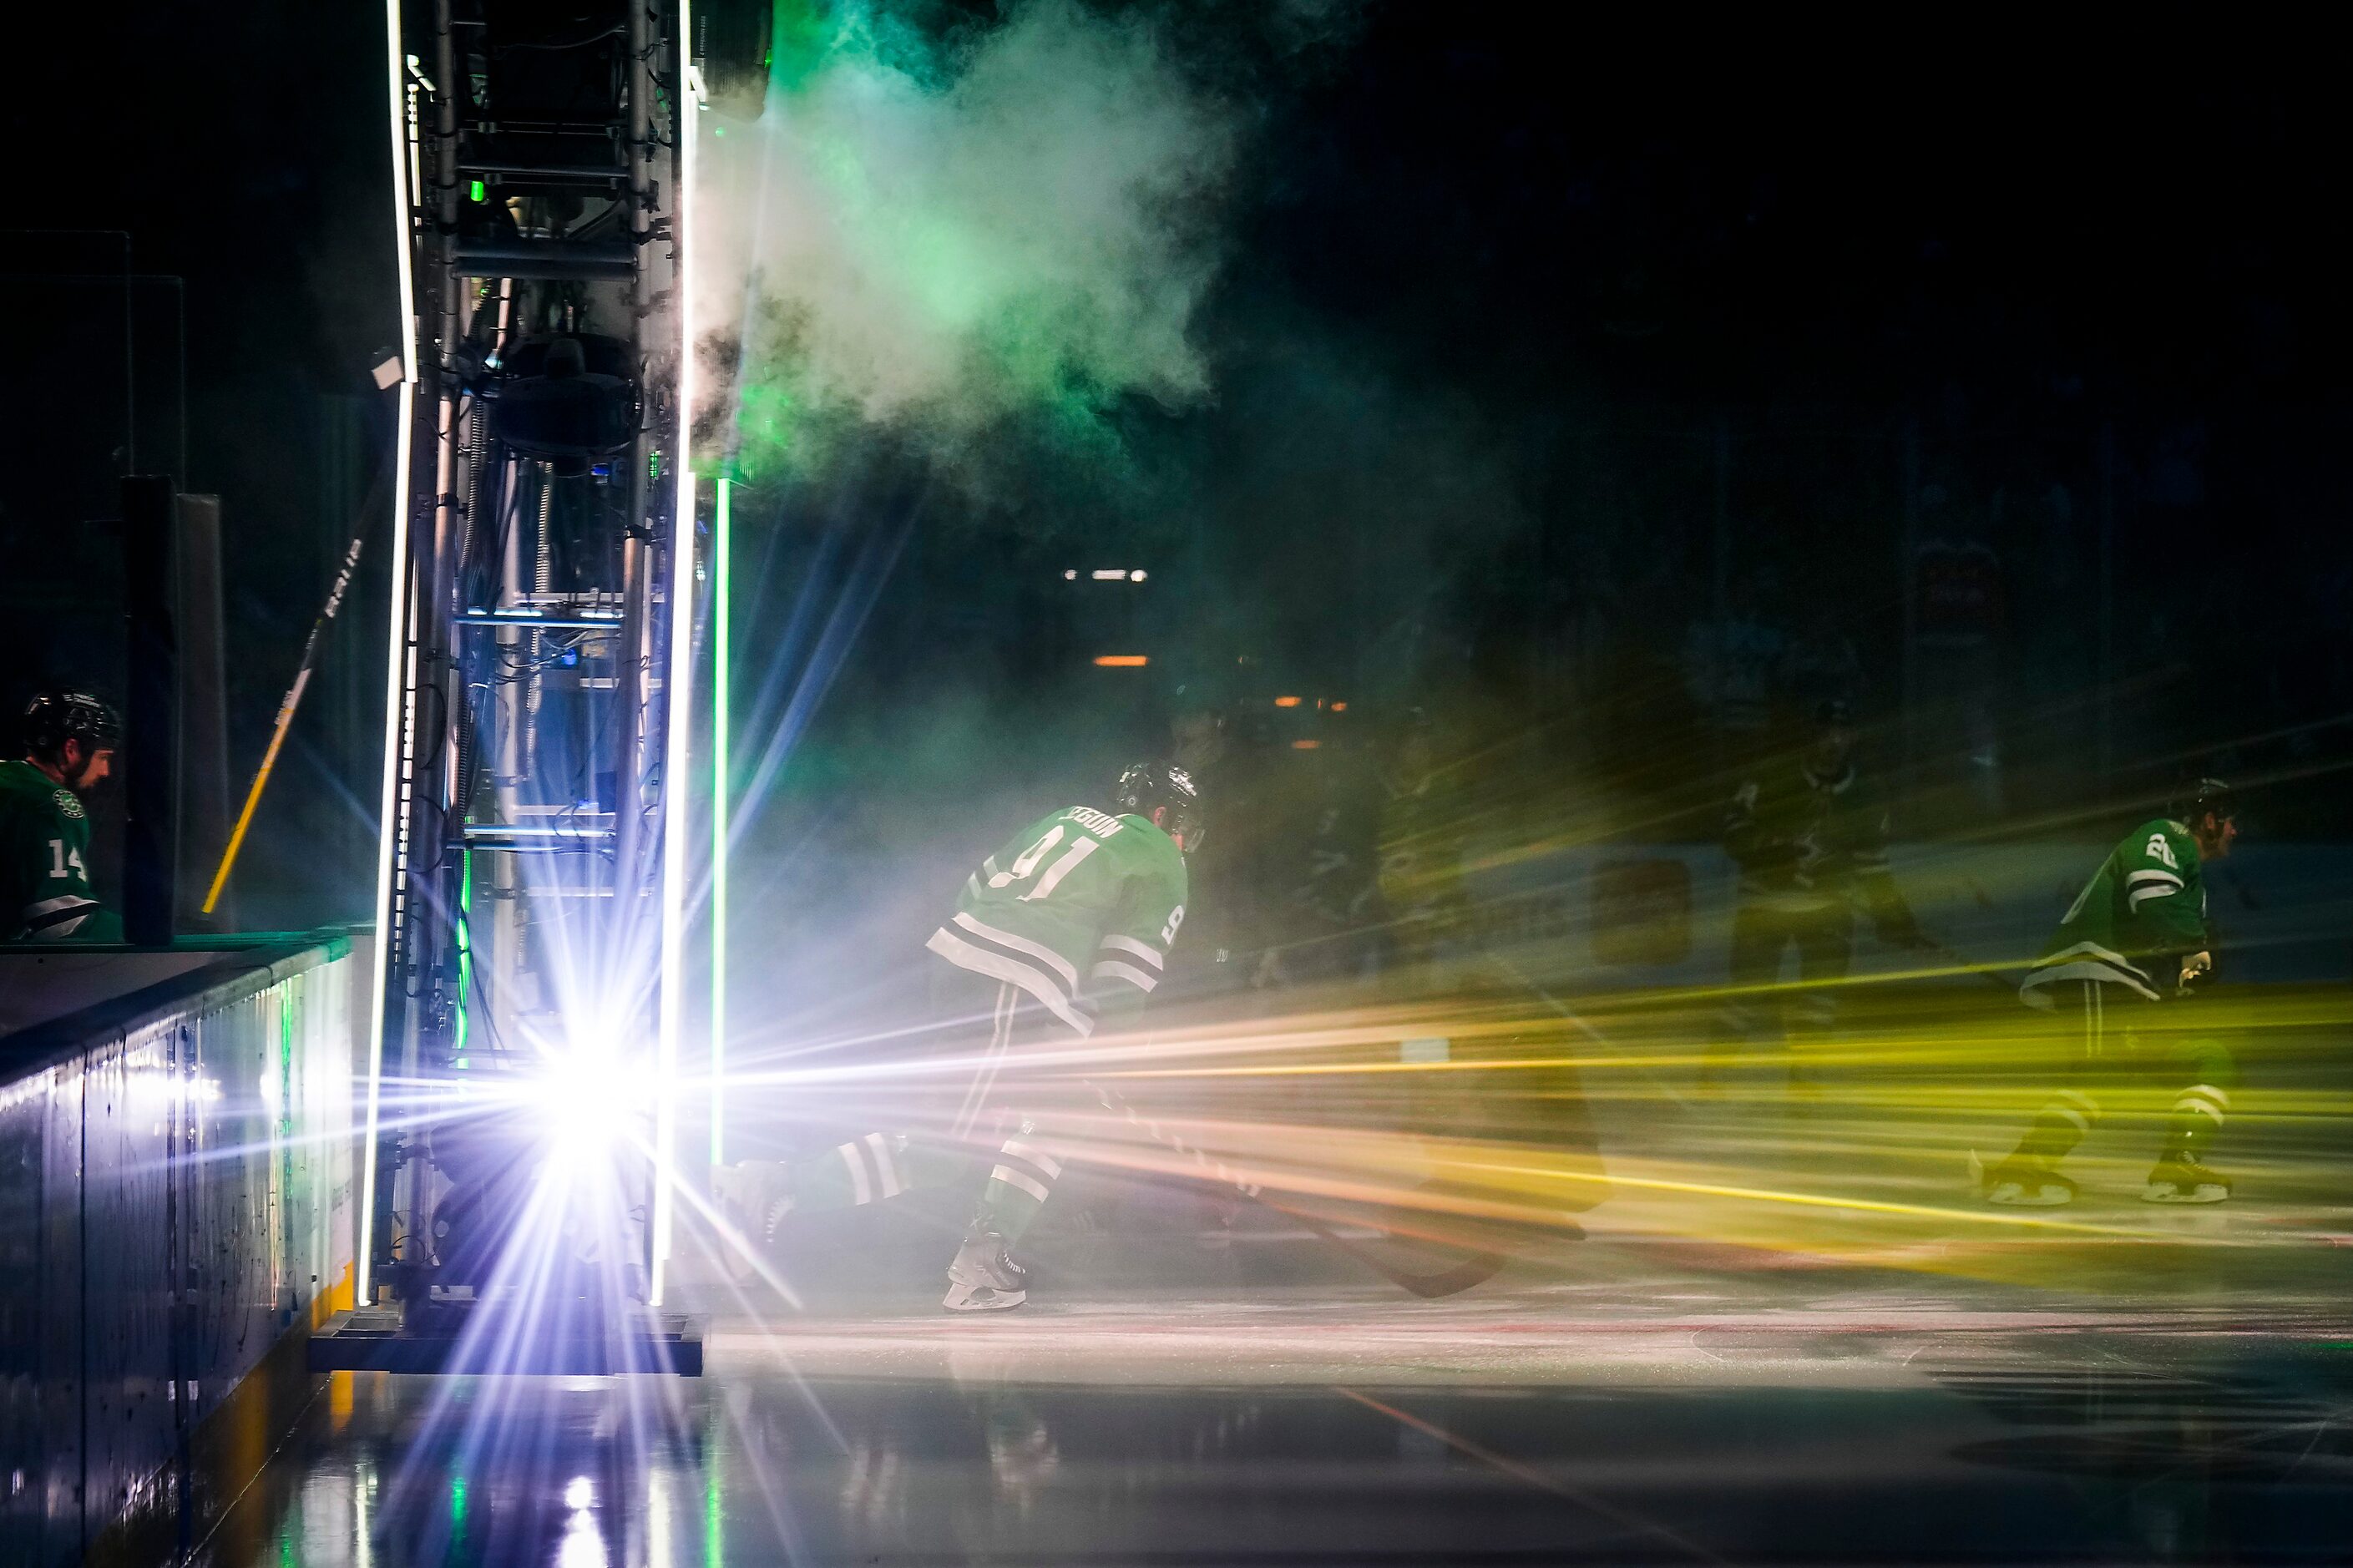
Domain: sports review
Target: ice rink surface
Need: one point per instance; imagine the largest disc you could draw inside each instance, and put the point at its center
(1634, 1398)
(1791, 1336)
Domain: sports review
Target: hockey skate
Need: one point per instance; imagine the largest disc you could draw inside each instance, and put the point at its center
(984, 1278)
(2021, 1183)
(2181, 1179)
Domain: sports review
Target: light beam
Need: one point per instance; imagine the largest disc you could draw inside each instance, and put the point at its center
(395, 663)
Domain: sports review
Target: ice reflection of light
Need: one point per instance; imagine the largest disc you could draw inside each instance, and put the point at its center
(659, 1552)
(580, 1492)
(362, 1497)
(584, 1546)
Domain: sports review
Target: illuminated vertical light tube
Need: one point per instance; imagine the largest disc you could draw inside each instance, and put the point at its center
(677, 682)
(394, 660)
(722, 573)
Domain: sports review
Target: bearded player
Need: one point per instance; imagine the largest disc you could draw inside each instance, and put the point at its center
(2129, 951)
(1064, 930)
(44, 894)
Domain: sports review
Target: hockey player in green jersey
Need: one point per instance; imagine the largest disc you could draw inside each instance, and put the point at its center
(44, 894)
(1065, 929)
(2135, 941)
(1809, 838)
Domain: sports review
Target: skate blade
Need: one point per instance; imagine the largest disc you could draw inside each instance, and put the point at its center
(2009, 1196)
(2174, 1196)
(963, 1298)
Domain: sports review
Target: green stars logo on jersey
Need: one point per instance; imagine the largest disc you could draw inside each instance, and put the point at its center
(69, 805)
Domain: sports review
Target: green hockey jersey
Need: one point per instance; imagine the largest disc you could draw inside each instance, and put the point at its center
(2141, 911)
(1077, 909)
(44, 837)
(1806, 841)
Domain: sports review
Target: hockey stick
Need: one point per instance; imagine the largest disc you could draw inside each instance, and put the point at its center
(1976, 971)
(1578, 1021)
(1476, 1267)
(303, 669)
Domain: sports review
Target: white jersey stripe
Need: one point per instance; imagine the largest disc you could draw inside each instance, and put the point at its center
(1055, 960)
(57, 917)
(1013, 972)
(1143, 951)
(862, 1187)
(1128, 972)
(884, 1165)
(35, 909)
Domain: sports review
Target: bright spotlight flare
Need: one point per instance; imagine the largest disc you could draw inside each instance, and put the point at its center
(533, 883)
(590, 1101)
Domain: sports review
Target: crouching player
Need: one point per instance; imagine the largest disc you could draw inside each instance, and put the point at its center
(2134, 944)
(1065, 929)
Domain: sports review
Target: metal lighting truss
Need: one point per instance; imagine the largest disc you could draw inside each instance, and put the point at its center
(533, 871)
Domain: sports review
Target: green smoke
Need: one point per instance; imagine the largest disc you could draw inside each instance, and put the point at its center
(954, 235)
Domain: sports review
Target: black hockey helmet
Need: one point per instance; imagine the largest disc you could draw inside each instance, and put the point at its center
(53, 717)
(1164, 795)
(2202, 797)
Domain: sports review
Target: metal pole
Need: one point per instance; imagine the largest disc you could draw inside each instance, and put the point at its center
(388, 869)
(151, 746)
(633, 645)
(723, 525)
(1906, 570)
(2107, 662)
(678, 672)
(510, 707)
(1721, 562)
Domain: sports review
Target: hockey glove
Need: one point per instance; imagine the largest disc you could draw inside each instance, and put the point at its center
(2195, 967)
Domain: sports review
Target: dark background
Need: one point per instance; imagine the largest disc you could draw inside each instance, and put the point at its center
(1543, 353)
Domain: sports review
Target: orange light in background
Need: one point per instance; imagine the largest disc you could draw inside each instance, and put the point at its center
(1339, 708)
(1305, 745)
(1123, 660)
(1286, 702)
